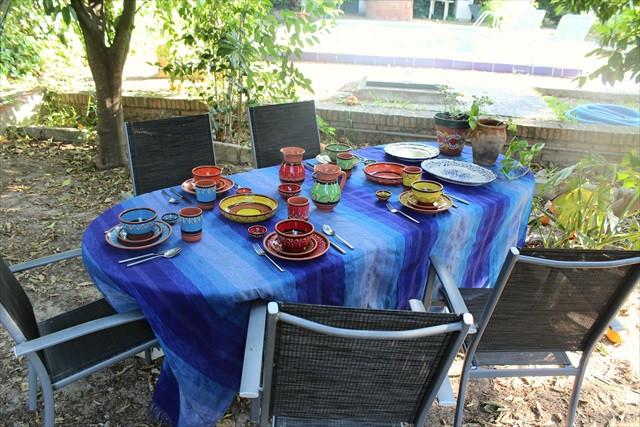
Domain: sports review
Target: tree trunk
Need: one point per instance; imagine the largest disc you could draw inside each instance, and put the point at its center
(106, 63)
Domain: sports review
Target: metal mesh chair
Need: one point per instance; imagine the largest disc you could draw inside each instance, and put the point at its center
(545, 303)
(337, 366)
(282, 125)
(163, 152)
(69, 346)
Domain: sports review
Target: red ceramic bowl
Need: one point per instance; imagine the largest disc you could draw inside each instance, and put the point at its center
(244, 190)
(294, 234)
(257, 231)
(206, 172)
(385, 173)
(289, 190)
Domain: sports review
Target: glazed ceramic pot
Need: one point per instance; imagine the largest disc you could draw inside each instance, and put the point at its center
(244, 190)
(291, 169)
(327, 189)
(206, 194)
(345, 162)
(298, 207)
(427, 192)
(289, 190)
(257, 231)
(191, 224)
(452, 134)
(383, 195)
(138, 222)
(411, 174)
(333, 150)
(488, 139)
(294, 234)
(206, 172)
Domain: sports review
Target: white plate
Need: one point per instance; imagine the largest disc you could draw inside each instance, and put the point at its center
(411, 151)
(458, 172)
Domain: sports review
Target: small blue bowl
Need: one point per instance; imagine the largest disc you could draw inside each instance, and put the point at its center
(138, 221)
(170, 218)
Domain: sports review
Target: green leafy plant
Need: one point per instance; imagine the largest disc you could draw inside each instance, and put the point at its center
(325, 129)
(598, 208)
(476, 109)
(54, 113)
(452, 105)
(519, 157)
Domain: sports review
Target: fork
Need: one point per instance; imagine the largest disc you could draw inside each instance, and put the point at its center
(394, 210)
(260, 251)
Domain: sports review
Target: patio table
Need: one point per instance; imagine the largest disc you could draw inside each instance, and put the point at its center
(198, 302)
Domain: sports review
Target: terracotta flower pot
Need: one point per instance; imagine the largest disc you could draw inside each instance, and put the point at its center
(488, 139)
(451, 133)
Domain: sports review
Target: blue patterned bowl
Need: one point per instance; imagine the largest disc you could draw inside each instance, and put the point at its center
(138, 221)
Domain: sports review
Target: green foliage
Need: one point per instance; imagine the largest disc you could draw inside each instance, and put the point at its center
(452, 104)
(619, 32)
(519, 157)
(598, 208)
(236, 53)
(559, 107)
(54, 113)
(325, 129)
(476, 109)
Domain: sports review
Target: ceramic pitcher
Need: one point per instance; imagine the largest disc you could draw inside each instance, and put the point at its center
(327, 189)
(291, 169)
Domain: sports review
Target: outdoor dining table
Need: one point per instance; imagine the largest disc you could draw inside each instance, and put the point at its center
(198, 302)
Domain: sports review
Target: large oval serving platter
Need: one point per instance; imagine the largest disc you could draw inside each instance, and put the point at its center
(458, 172)
(411, 151)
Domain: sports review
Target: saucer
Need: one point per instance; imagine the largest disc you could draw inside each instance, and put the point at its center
(324, 158)
(111, 237)
(126, 240)
(407, 199)
(225, 185)
(277, 246)
(322, 246)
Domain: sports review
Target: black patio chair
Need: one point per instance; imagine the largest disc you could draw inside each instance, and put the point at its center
(282, 125)
(70, 346)
(163, 152)
(545, 303)
(338, 366)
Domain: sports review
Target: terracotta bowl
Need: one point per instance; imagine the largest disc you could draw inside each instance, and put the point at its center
(294, 234)
(385, 173)
(257, 231)
(244, 190)
(206, 172)
(289, 190)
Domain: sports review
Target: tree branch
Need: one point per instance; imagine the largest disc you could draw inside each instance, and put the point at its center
(124, 28)
(86, 20)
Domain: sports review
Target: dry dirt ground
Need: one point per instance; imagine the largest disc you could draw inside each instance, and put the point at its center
(49, 192)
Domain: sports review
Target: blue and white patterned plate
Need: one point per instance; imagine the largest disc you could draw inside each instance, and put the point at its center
(458, 172)
(111, 237)
(411, 151)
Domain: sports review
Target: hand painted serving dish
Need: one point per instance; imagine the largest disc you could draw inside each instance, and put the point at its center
(458, 172)
(411, 151)
(225, 185)
(324, 158)
(248, 208)
(384, 173)
(408, 200)
(271, 244)
(111, 237)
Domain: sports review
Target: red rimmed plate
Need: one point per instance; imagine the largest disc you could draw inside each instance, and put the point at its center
(225, 185)
(322, 246)
(407, 199)
(111, 237)
(124, 239)
(277, 246)
(385, 173)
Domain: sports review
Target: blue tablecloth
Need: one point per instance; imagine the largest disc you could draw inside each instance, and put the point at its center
(198, 303)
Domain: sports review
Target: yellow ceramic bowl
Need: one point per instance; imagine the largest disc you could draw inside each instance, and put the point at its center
(426, 191)
(248, 208)
(411, 174)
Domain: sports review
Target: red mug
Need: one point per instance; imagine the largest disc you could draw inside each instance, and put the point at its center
(298, 207)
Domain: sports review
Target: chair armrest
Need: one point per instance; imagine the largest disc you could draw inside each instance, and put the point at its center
(38, 262)
(252, 365)
(76, 331)
(417, 305)
(454, 298)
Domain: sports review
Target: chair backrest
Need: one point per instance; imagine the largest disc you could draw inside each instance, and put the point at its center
(573, 28)
(556, 300)
(336, 363)
(163, 152)
(20, 320)
(283, 125)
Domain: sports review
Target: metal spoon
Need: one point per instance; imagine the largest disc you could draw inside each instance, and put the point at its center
(394, 210)
(330, 232)
(170, 253)
(171, 199)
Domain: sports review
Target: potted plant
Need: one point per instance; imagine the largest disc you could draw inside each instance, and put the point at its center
(488, 135)
(452, 124)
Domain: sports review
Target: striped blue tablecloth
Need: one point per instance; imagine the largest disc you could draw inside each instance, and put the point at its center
(198, 303)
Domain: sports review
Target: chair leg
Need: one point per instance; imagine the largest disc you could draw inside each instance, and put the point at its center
(147, 356)
(49, 408)
(462, 390)
(575, 395)
(33, 388)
